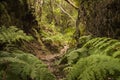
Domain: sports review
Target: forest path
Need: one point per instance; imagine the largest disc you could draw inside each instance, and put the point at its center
(51, 61)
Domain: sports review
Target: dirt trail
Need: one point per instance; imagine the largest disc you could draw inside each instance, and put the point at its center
(49, 60)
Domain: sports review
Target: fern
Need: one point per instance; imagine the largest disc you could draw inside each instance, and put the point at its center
(105, 46)
(16, 64)
(84, 39)
(54, 35)
(73, 56)
(116, 54)
(12, 34)
(23, 66)
(97, 59)
(95, 67)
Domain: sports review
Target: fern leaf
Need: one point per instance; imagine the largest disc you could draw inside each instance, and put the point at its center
(102, 42)
(110, 42)
(95, 67)
(12, 34)
(25, 65)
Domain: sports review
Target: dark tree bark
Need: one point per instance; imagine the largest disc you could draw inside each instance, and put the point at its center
(101, 17)
(17, 13)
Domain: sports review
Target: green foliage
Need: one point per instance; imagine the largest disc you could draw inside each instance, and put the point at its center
(95, 67)
(104, 46)
(56, 25)
(51, 33)
(84, 39)
(12, 34)
(19, 65)
(73, 56)
(97, 59)
(16, 64)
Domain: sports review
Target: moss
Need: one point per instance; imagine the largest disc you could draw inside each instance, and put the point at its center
(101, 17)
(4, 16)
(17, 13)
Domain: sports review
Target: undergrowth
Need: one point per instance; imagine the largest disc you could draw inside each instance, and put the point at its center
(95, 67)
(16, 64)
(52, 33)
(13, 35)
(97, 59)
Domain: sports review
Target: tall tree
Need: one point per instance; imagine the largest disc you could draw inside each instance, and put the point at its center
(101, 17)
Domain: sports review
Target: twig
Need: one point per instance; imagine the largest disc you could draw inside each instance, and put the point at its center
(73, 5)
(66, 12)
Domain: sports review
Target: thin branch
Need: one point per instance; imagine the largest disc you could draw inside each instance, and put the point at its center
(66, 12)
(73, 5)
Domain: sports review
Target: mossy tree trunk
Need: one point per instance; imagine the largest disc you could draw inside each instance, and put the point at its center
(24, 14)
(101, 17)
(17, 13)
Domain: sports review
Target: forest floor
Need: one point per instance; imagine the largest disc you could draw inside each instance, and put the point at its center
(50, 59)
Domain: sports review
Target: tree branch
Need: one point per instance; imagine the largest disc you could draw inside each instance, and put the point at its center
(73, 5)
(65, 12)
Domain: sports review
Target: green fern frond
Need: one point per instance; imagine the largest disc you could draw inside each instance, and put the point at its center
(12, 34)
(104, 40)
(110, 42)
(97, 59)
(95, 67)
(84, 39)
(105, 46)
(73, 56)
(116, 54)
(102, 45)
(112, 47)
(10, 60)
(90, 42)
(24, 65)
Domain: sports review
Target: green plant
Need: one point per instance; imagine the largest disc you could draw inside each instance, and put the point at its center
(53, 34)
(97, 59)
(106, 46)
(95, 67)
(12, 34)
(84, 39)
(71, 57)
(18, 65)
(74, 55)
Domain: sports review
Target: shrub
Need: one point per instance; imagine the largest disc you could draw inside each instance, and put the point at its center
(97, 59)
(17, 65)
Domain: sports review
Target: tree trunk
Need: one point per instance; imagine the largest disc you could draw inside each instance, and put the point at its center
(101, 17)
(17, 13)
